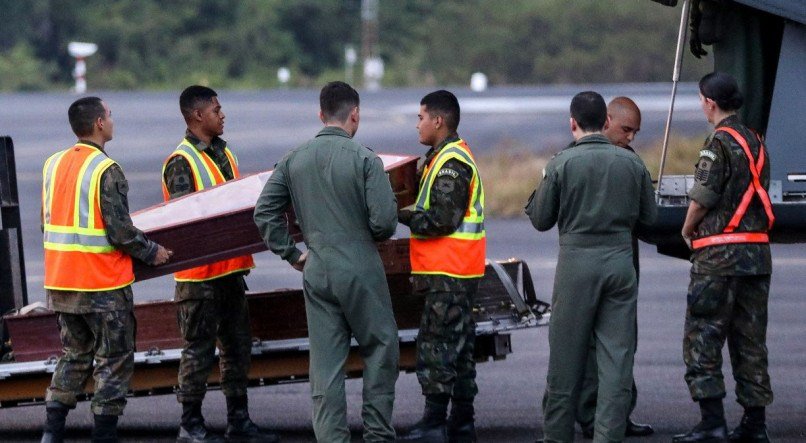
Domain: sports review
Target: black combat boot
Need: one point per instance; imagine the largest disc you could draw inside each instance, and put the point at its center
(432, 427)
(192, 429)
(753, 427)
(105, 429)
(711, 428)
(240, 427)
(637, 429)
(461, 425)
(56, 414)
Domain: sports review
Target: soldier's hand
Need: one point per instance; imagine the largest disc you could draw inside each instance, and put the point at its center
(300, 264)
(687, 239)
(696, 47)
(163, 255)
(404, 216)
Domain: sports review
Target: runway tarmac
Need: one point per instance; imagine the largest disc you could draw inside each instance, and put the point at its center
(263, 125)
(510, 390)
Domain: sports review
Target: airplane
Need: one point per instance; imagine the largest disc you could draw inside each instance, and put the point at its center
(763, 45)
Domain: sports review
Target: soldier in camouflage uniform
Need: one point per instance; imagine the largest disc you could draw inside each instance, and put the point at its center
(213, 310)
(446, 369)
(726, 225)
(97, 328)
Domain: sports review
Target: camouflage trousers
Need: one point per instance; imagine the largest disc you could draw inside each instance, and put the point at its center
(222, 320)
(732, 308)
(101, 345)
(445, 345)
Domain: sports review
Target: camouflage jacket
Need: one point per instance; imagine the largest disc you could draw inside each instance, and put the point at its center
(721, 178)
(123, 235)
(450, 195)
(178, 178)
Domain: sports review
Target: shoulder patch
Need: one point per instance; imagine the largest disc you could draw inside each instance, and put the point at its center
(703, 169)
(708, 153)
(447, 171)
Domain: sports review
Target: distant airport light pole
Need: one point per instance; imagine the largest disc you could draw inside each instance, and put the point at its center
(478, 82)
(350, 57)
(283, 75)
(81, 50)
(373, 65)
(373, 73)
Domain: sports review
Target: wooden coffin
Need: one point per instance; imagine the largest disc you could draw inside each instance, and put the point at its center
(216, 223)
(277, 315)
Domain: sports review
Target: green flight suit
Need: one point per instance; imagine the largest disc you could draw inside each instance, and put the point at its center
(586, 406)
(596, 193)
(344, 203)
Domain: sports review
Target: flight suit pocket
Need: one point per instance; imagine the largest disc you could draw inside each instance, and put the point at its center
(707, 294)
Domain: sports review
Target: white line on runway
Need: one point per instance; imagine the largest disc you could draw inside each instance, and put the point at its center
(520, 105)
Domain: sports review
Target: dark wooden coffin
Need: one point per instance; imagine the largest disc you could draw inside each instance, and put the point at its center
(275, 315)
(216, 223)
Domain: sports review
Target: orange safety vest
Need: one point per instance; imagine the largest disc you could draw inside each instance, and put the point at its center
(462, 253)
(78, 256)
(755, 188)
(206, 174)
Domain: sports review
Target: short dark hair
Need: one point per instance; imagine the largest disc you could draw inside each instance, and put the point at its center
(193, 97)
(722, 88)
(337, 100)
(589, 110)
(83, 113)
(444, 104)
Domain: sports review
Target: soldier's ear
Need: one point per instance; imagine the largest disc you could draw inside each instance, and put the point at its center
(572, 124)
(99, 124)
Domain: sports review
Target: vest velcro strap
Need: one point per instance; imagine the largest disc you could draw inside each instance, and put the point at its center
(731, 238)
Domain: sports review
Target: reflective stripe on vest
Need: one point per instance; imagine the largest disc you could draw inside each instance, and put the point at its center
(755, 188)
(206, 174)
(78, 255)
(462, 253)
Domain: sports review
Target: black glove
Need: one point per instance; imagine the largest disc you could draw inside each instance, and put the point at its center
(694, 39)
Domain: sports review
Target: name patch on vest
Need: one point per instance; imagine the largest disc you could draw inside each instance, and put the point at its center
(447, 171)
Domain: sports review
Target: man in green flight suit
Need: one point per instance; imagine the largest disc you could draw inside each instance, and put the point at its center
(604, 192)
(624, 123)
(448, 243)
(344, 204)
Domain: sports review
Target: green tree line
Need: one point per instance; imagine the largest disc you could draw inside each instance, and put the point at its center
(159, 44)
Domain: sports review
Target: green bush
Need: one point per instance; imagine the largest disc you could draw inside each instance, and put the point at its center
(20, 70)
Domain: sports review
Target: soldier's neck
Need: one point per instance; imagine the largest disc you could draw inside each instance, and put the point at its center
(96, 139)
